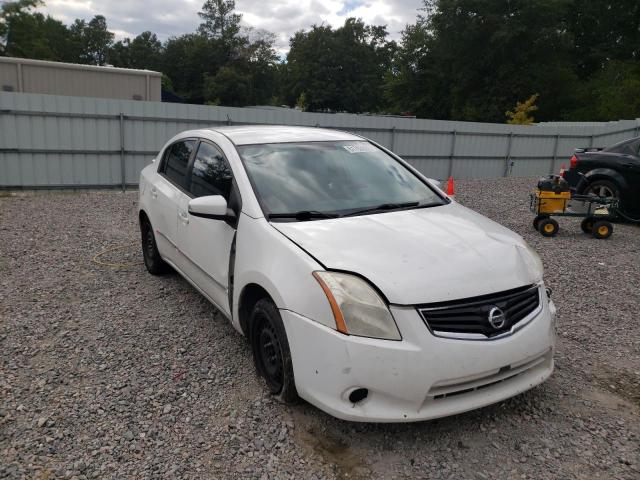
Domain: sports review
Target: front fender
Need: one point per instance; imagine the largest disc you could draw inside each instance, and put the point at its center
(265, 257)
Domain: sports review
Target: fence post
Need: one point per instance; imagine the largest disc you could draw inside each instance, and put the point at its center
(637, 127)
(454, 136)
(591, 141)
(393, 139)
(123, 173)
(228, 119)
(555, 155)
(507, 157)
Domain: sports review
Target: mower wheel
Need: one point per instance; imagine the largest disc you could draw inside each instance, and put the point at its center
(536, 221)
(587, 225)
(548, 227)
(602, 229)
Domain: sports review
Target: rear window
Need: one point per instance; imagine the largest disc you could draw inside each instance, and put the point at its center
(628, 147)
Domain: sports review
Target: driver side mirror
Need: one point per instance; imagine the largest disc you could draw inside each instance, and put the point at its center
(211, 206)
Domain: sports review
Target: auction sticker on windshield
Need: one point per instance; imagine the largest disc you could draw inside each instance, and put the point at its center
(360, 147)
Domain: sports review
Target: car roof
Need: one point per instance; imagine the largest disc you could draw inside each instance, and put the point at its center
(254, 134)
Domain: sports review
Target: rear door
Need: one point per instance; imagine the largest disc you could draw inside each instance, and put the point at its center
(204, 243)
(168, 188)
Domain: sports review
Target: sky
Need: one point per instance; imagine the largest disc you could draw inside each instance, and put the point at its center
(166, 18)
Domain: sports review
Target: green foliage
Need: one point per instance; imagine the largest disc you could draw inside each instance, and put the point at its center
(219, 19)
(91, 40)
(339, 70)
(521, 114)
(144, 52)
(228, 87)
(473, 60)
(612, 93)
(460, 60)
(302, 103)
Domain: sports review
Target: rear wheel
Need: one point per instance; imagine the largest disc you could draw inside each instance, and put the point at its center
(602, 229)
(603, 188)
(587, 225)
(548, 227)
(271, 352)
(152, 259)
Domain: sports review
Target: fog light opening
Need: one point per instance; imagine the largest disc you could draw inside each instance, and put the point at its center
(358, 395)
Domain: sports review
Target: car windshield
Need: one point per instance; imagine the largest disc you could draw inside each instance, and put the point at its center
(319, 179)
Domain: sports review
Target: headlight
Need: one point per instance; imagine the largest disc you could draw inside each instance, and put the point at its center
(357, 308)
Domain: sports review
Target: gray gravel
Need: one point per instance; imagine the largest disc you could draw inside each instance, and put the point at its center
(112, 373)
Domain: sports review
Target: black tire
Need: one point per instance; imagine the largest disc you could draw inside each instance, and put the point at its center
(587, 225)
(548, 227)
(271, 353)
(603, 188)
(152, 259)
(536, 221)
(602, 229)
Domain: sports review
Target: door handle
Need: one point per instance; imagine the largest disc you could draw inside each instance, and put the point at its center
(154, 192)
(184, 216)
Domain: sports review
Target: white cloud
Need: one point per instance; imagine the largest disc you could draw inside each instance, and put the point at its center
(282, 17)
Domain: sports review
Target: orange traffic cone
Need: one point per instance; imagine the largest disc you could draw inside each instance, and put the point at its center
(451, 186)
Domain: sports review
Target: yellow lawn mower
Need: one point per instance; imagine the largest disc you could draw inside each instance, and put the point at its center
(553, 198)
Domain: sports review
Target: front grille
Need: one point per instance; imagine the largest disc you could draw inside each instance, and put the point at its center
(469, 318)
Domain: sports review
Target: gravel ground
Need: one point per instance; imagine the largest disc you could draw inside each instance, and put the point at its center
(112, 373)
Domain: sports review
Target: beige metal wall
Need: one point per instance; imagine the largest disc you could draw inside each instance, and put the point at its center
(54, 78)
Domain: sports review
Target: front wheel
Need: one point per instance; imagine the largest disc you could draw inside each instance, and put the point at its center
(548, 227)
(271, 353)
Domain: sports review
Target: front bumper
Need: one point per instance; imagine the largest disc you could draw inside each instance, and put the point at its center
(420, 377)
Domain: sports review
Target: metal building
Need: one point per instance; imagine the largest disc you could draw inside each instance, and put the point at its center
(56, 78)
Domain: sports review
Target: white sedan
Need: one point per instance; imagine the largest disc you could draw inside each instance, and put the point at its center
(360, 285)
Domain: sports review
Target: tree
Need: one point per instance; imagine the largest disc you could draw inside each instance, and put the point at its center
(339, 70)
(219, 19)
(186, 60)
(521, 114)
(475, 59)
(228, 87)
(143, 52)
(611, 94)
(602, 31)
(91, 40)
(11, 14)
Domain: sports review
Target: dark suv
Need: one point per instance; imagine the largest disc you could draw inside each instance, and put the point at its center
(610, 172)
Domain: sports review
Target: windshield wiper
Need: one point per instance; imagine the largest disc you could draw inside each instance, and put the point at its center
(382, 207)
(303, 215)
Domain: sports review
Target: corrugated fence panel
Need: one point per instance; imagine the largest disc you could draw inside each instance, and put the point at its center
(52, 141)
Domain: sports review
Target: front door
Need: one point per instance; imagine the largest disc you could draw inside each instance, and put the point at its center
(166, 191)
(205, 244)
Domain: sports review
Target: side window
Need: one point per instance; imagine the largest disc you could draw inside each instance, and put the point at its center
(177, 161)
(211, 174)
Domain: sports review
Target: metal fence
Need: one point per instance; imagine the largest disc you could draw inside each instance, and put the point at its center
(51, 141)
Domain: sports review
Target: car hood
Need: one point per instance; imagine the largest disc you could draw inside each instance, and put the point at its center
(421, 255)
